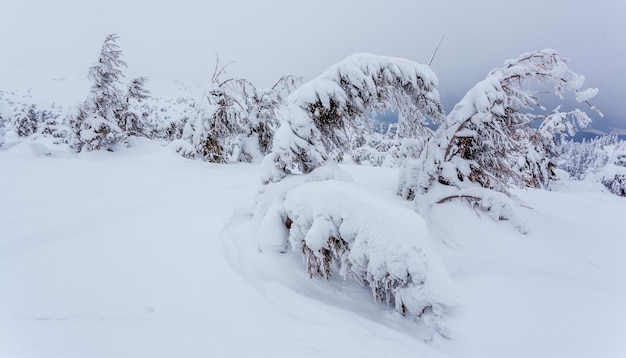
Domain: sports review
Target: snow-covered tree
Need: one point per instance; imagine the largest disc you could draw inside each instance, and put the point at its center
(132, 117)
(323, 116)
(104, 118)
(235, 121)
(222, 120)
(492, 139)
(266, 112)
(336, 226)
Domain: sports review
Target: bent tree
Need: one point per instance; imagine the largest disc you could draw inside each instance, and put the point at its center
(321, 117)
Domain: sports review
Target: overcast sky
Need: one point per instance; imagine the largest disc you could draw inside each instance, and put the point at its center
(177, 40)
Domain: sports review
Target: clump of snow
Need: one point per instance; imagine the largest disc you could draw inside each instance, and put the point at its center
(589, 93)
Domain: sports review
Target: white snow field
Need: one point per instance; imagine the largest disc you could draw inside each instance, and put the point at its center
(142, 253)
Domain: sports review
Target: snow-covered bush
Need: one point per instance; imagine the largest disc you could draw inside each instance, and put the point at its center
(389, 153)
(324, 116)
(27, 121)
(2, 131)
(613, 175)
(90, 131)
(580, 158)
(53, 125)
(602, 159)
(340, 228)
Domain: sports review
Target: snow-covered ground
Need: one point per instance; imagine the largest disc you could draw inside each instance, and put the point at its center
(142, 253)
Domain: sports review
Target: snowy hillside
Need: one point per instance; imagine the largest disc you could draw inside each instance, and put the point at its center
(143, 253)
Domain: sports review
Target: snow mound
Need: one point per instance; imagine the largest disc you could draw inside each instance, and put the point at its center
(342, 228)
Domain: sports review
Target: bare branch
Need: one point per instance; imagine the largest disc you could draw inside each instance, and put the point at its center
(436, 49)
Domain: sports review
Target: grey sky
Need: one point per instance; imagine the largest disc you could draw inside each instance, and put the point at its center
(178, 40)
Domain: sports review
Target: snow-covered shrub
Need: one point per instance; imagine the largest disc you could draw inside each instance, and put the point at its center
(52, 124)
(389, 153)
(2, 131)
(164, 118)
(323, 116)
(340, 228)
(580, 158)
(602, 159)
(27, 121)
(613, 175)
(91, 131)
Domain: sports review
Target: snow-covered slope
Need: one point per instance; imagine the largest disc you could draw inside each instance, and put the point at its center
(141, 253)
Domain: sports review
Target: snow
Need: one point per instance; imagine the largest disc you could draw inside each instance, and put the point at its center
(141, 253)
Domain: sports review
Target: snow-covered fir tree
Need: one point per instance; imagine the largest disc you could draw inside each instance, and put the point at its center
(132, 120)
(492, 140)
(268, 105)
(330, 221)
(323, 117)
(235, 121)
(104, 120)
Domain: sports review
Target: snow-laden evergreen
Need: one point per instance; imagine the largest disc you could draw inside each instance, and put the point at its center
(331, 223)
(105, 117)
(235, 121)
(491, 140)
(326, 115)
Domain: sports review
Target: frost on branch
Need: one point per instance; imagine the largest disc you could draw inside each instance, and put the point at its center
(342, 229)
(323, 116)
